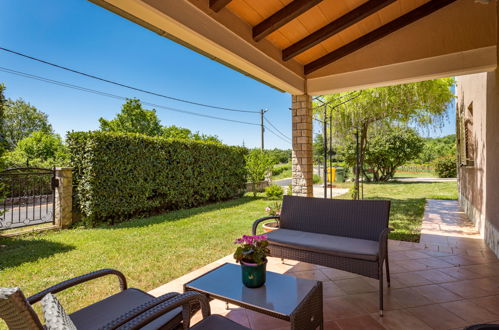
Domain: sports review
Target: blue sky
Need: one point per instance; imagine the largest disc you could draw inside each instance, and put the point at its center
(83, 36)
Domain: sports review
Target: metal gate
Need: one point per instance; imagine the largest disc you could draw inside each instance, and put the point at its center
(27, 197)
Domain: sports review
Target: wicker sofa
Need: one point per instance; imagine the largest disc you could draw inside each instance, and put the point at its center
(343, 234)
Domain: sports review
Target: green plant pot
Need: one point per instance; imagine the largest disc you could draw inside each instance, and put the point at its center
(253, 274)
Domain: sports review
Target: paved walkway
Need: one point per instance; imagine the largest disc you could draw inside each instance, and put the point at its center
(447, 281)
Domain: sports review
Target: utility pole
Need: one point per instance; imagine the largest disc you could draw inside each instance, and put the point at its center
(262, 126)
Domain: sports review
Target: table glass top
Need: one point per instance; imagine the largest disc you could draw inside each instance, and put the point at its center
(280, 293)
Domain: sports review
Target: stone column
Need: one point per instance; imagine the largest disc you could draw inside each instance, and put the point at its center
(302, 146)
(64, 197)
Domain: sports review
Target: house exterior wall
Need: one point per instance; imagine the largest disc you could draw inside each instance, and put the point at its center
(479, 182)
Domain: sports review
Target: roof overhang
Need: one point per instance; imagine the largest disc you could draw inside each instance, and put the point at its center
(459, 38)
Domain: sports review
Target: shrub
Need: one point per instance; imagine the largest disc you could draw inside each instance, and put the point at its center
(290, 190)
(316, 179)
(118, 175)
(258, 164)
(446, 167)
(274, 192)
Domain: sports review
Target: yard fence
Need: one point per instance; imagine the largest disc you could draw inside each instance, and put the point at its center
(417, 168)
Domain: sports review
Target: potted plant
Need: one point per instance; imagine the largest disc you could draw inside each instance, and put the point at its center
(273, 210)
(252, 254)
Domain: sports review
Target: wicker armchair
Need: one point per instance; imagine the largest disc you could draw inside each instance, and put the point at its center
(350, 235)
(109, 313)
(128, 309)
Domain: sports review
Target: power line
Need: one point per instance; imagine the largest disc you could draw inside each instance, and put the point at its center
(280, 137)
(123, 85)
(284, 135)
(84, 89)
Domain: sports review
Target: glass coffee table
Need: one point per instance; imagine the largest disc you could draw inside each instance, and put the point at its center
(286, 297)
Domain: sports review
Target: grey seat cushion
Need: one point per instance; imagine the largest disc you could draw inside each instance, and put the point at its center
(99, 314)
(328, 244)
(55, 316)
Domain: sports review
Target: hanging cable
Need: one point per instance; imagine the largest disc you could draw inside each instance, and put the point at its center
(84, 89)
(280, 137)
(284, 135)
(124, 85)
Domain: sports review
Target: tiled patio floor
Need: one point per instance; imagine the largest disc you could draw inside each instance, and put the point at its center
(447, 281)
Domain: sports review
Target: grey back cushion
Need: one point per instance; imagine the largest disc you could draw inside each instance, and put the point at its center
(55, 316)
(364, 219)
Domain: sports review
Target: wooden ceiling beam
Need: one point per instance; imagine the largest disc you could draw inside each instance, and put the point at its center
(395, 25)
(334, 27)
(281, 17)
(217, 5)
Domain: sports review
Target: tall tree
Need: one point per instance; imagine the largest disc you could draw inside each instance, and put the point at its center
(21, 119)
(133, 119)
(3, 143)
(175, 132)
(40, 149)
(423, 104)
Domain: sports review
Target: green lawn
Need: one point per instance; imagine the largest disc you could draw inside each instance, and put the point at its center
(152, 251)
(281, 171)
(401, 174)
(408, 202)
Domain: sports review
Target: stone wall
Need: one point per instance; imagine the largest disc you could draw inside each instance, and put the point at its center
(64, 197)
(302, 145)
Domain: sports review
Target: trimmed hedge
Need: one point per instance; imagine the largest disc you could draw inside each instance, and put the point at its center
(117, 176)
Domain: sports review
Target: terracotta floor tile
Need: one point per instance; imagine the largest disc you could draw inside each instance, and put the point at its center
(436, 276)
(336, 274)
(436, 253)
(329, 325)
(356, 285)
(415, 254)
(411, 279)
(400, 320)
(458, 260)
(413, 265)
(370, 301)
(435, 263)
(331, 290)
(310, 274)
(437, 294)
(460, 273)
(359, 323)
(490, 303)
(259, 321)
(470, 312)
(396, 267)
(303, 266)
(437, 317)
(466, 289)
(409, 297)
(341, 308)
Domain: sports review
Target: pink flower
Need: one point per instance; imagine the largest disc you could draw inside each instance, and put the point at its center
(267, 209)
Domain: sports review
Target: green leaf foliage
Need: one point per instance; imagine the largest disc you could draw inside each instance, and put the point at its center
(21, 119)
(446, 167)
(40, 149)
(258, 164)
(133, 119)
(274, 192)
(388, 148)
(119, 175)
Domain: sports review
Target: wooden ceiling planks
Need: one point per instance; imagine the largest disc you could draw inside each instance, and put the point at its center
(254, 12)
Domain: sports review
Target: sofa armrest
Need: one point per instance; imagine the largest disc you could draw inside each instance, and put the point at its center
(186, 300)
(383, 243)
(255, 224)
(78, 280)
(131, 314)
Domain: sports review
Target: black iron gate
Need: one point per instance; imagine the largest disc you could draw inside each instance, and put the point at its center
(27, 197)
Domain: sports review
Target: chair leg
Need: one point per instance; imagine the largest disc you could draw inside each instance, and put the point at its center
(387, 270)
(381, 290)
